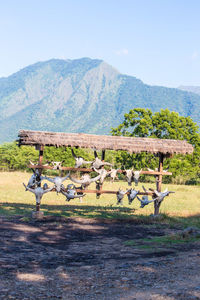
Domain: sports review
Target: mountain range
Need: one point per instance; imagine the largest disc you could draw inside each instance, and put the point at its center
(82, 95)
(188, 88)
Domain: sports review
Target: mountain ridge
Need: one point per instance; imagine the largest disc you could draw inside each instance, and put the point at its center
(82, 95)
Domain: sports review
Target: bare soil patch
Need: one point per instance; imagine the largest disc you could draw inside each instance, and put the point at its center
(89, 259)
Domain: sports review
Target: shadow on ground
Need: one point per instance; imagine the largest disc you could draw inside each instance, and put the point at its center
(62, 257)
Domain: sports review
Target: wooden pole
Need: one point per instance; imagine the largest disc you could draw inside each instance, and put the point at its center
(159, 183)
(91, 170)
(41, 150)
(100, 185)
(37, 206)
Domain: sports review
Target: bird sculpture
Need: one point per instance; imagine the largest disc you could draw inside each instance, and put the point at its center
(39, 191)
(85, 180)
(144, 201)
(131, 195)
(120, 196)
(79, 161)
(71, 193)
(57, 182)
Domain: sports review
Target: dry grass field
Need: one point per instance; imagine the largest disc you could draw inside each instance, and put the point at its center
(185, 203)
(131, 256)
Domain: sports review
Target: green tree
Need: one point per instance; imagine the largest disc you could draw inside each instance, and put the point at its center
(140, 122)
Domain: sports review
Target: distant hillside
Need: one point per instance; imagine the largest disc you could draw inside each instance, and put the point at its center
(192, 89)
(83, 95)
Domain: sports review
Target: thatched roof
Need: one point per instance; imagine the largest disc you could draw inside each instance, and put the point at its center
(100, 142)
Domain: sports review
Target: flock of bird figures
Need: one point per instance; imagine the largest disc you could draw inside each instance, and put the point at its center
(70, 192)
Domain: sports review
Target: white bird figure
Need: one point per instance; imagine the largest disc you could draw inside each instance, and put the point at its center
(103, 173)
(131, 195)
(79, 160)
(71, 193)
(136, 176)
(161, 195)
(129, 175)
(144, 201)
(113, 174)
(57, 182)
(39, 191)
(85, 180)
(120, 196)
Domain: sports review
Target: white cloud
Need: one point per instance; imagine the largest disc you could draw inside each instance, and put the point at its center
(120, 52)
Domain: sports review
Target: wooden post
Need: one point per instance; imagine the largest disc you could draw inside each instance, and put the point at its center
(41, 151)
(159, 183)
(37, 206)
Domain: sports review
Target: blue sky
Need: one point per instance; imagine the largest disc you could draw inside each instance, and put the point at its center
(157, 41)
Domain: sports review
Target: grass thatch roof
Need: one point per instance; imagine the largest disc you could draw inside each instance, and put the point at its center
(100, 142)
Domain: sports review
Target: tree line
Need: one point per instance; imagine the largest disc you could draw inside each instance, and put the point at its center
(138, 122)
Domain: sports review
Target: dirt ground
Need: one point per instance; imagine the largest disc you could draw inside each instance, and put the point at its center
(90, 259)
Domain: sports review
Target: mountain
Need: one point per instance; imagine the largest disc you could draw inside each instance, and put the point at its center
(83, 95)
(192, 89)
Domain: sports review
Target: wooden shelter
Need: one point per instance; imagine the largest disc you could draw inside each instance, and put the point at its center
(161, 147)
(104, 142)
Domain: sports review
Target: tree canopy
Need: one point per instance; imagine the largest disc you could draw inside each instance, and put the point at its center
(140, 122)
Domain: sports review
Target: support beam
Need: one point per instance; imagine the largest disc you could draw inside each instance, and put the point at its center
(86, 170)
(159, 183)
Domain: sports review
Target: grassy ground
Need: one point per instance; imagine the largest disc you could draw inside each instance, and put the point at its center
(183, 206)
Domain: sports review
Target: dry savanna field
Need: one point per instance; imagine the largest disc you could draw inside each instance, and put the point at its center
(184, 203)
(97, 249)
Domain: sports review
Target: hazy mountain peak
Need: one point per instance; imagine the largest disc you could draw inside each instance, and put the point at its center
(192, 89)
(81, 95)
